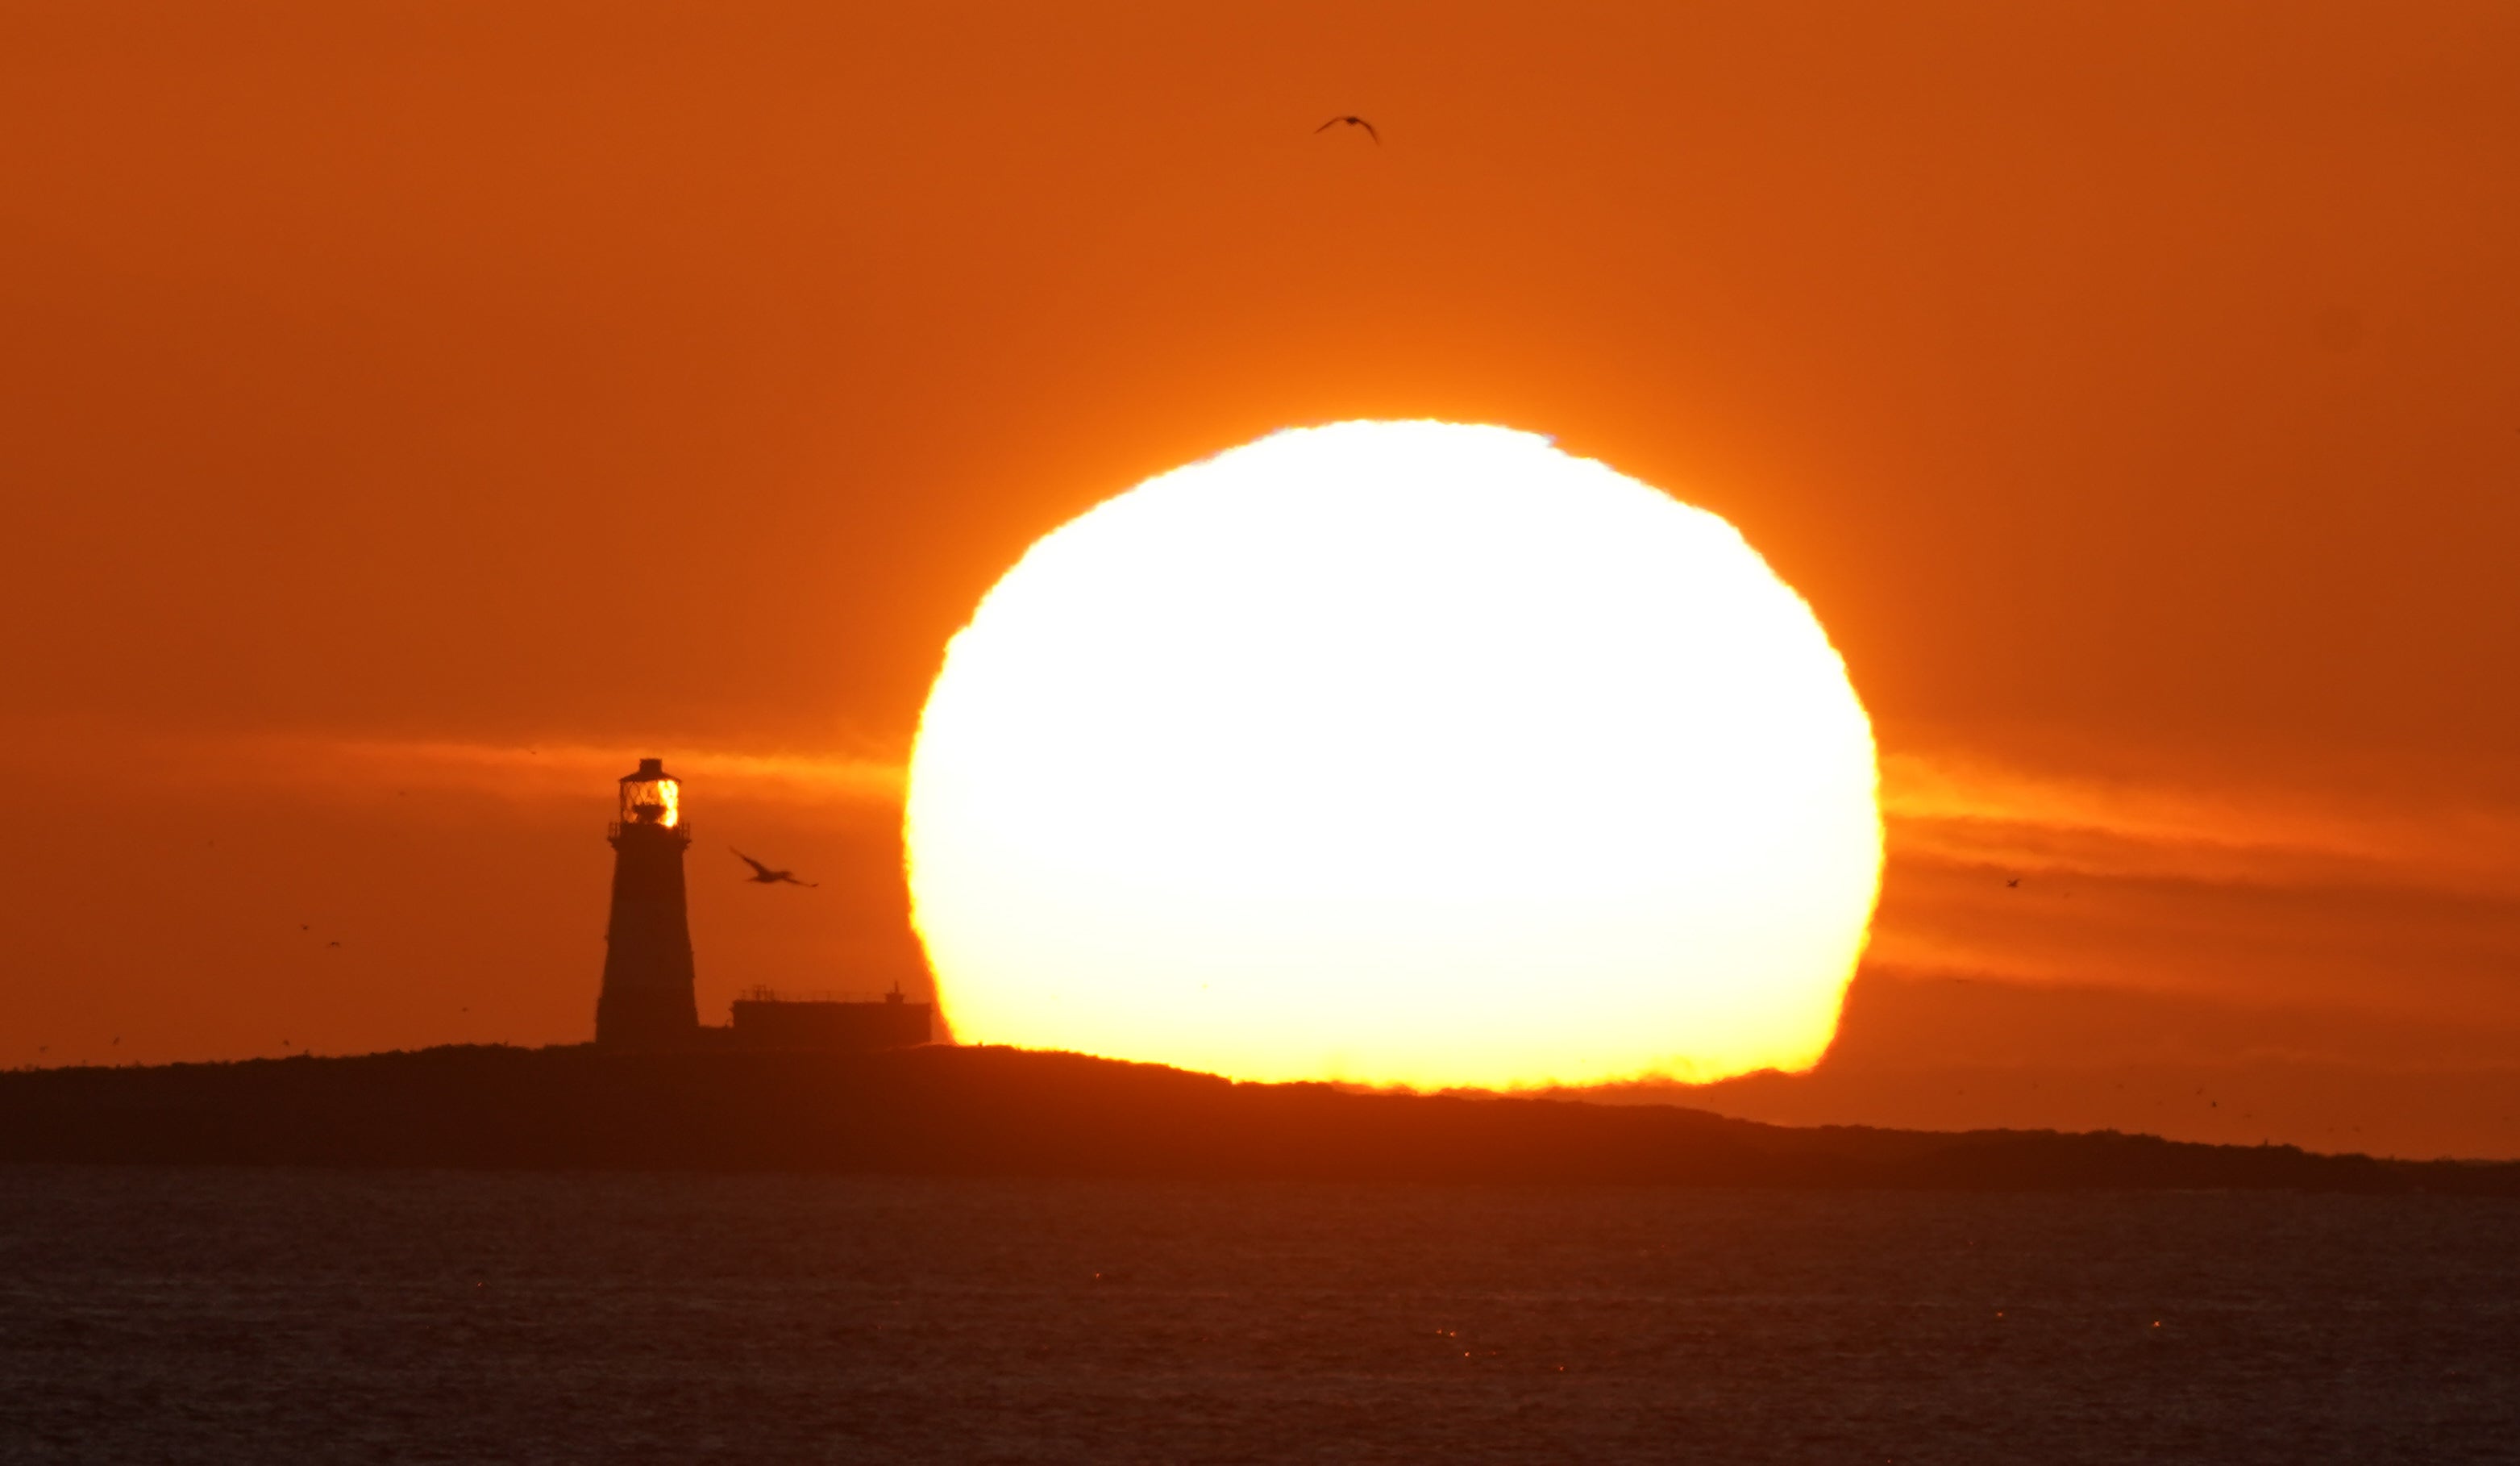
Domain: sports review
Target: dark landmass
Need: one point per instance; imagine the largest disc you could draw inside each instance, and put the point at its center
(946, 1111)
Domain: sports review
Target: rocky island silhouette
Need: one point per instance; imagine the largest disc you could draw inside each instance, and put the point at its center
(944, 1110)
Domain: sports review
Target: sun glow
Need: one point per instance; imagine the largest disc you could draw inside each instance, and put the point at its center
(1398, 752)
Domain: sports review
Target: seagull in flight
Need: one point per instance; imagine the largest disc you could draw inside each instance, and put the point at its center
(1352, 122)
(763, 875)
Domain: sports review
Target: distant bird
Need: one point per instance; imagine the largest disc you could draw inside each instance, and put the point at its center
(763, 875)
(2015, 881)
(1351, 122)
(331, 943)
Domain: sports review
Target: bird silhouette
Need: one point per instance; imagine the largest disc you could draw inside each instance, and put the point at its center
(331, 943)
(2015, 881)
(763, 875)
(1352, 122)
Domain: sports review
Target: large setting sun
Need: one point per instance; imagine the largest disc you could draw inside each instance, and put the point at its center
(1396, 753)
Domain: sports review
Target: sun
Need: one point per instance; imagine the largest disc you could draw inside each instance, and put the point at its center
(1403, 753)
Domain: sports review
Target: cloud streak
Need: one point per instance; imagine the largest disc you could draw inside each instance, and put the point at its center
(1971, 809)
(2267, 887)
(2273, 888)
(365, 768)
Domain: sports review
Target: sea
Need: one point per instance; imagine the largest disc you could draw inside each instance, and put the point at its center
(275, 1315)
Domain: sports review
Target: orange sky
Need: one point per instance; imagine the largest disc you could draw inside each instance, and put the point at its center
(410, 413)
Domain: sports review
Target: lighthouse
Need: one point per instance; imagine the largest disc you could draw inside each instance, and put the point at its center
(647, 1002)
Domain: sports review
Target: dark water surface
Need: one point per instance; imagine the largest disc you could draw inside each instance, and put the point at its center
(245, 1316)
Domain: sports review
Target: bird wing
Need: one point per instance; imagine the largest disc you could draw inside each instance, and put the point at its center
(1333, 123)
(759, 869)
(1368, 128)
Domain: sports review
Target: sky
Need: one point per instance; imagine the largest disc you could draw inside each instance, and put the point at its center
(411, 415)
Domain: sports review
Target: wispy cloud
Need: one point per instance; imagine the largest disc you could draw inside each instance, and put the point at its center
(571, 770)
(2305, 882)
(2209, 826)
(2271, 885)
(367, 767)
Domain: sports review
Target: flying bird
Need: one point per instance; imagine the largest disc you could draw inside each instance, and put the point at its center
(2015, 881)
(763, 875)
(1352, 122)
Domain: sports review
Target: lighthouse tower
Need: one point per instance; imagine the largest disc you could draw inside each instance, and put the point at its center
(647, 1001)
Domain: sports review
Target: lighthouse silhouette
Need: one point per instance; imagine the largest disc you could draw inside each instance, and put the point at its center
(647, 1002)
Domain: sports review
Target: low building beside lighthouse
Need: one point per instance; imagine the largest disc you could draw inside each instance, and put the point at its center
(650, 1001)
(763, 1018)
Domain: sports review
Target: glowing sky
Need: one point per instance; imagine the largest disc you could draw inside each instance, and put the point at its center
(410, 415)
